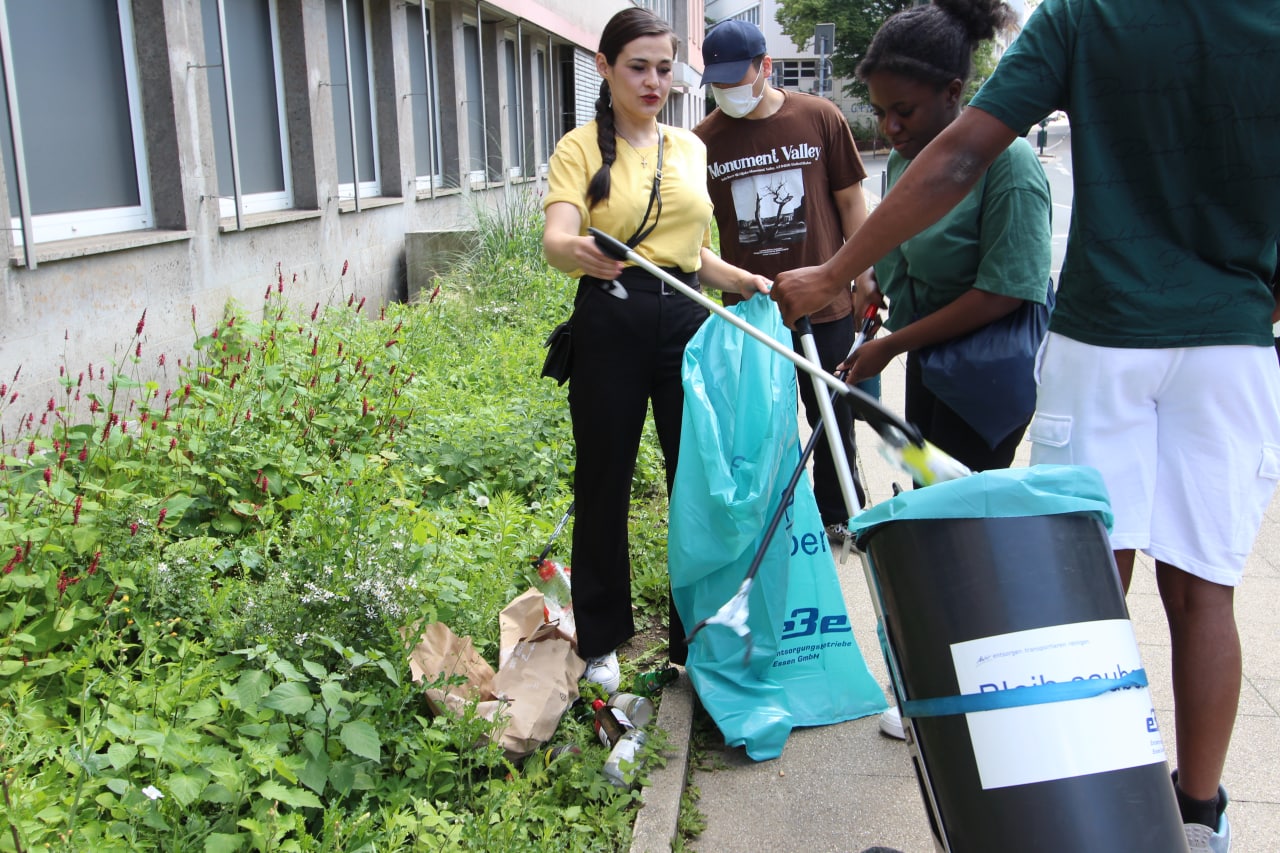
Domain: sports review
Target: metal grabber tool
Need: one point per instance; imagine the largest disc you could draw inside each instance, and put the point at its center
(903, 442)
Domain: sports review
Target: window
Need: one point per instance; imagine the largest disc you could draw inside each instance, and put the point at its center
(751, 16)
(673, 110)
(515, 138)
(661, 8)
(258, 164)
(82, 158)
(424, 98)
(542, 105)
(797, 74)
(351, 82)
(586, 86)
(475, 103)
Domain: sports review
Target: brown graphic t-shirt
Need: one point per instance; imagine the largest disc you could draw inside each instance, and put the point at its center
(771, 181)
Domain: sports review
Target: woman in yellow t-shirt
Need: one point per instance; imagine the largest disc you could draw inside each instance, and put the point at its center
(627, 351)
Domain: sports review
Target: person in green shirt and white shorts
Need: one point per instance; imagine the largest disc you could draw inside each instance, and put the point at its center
(1159, 368)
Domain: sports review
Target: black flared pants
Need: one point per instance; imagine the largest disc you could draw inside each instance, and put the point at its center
(626, 355)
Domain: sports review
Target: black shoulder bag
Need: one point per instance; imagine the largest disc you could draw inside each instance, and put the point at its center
(559, 343)
(987, 376)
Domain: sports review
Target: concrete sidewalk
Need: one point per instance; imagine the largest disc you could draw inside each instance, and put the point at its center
(847, 787)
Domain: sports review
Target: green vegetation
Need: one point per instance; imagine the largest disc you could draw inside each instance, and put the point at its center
(206, 582)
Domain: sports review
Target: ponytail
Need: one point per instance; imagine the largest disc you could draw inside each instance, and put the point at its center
(598, 189)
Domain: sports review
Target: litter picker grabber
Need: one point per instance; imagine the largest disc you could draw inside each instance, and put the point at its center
(926, 463)
(559, 528)
(903, 442)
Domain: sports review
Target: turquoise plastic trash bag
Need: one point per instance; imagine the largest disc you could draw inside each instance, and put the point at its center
(738, 449)
(998, 493)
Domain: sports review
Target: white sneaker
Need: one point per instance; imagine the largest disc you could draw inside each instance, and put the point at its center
(1202, 839)
(604, 671)
(891, 724)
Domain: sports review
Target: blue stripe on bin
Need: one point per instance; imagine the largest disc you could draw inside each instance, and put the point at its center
(1018, 697)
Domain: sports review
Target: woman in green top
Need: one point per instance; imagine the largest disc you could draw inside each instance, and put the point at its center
(980, 261)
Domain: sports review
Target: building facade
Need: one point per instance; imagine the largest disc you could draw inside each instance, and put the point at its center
(172, 155)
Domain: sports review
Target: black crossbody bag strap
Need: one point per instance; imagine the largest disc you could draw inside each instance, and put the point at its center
(655, 197)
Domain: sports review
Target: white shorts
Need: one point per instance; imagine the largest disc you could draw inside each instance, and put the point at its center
(1187, 441)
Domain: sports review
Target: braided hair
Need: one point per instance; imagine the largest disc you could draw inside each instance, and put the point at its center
(934, 44)
(622, 29)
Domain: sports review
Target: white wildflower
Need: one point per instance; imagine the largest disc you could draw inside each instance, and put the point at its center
(153, 792)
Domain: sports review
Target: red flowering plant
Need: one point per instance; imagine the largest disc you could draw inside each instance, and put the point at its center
(206, 559)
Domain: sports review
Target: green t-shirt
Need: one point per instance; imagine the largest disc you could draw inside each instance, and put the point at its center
(997, 239)
(1175, 143)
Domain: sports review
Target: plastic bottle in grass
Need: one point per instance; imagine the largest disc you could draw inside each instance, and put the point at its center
(557, 594)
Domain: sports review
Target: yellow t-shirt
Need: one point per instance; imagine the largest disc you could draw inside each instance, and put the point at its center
(684, 226)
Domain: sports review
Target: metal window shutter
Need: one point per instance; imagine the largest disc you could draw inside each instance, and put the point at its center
(586, 86)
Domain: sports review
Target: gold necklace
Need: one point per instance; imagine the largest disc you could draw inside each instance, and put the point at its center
(644, 158)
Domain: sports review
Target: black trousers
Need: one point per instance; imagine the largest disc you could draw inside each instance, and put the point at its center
(626, 355)
(833, 341)
(940, 424)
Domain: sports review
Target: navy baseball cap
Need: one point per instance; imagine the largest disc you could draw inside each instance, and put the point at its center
(728, 49)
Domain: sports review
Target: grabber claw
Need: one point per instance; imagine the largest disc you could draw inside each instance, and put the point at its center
(733, 615)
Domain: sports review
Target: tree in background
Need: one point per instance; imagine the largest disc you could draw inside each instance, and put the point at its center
(856, 23)
(984, 63)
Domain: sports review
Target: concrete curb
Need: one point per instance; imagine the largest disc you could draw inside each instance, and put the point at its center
(656, 823)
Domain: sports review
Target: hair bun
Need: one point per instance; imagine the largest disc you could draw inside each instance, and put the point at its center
(982, 19)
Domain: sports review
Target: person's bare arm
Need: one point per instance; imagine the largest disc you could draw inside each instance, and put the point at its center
(718, 273)
(569, 251)
(936, 182)
(852, 205)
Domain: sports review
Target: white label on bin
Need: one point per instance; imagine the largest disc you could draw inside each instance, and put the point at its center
(1058, 740)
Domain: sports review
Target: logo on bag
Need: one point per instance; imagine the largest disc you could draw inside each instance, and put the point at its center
(806, 621)
(809, 543)
(809, 622)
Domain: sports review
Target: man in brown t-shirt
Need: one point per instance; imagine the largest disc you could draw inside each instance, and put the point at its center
(786, 182)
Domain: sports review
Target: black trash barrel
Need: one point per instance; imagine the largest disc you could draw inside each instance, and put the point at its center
(1000, 602)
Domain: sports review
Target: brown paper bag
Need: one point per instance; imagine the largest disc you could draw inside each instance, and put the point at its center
(535, 684)
(440, 652)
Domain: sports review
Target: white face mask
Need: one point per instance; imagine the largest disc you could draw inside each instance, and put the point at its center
(738, 101)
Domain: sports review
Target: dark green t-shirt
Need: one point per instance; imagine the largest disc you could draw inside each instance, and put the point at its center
(1175, 143)
(996, 239)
